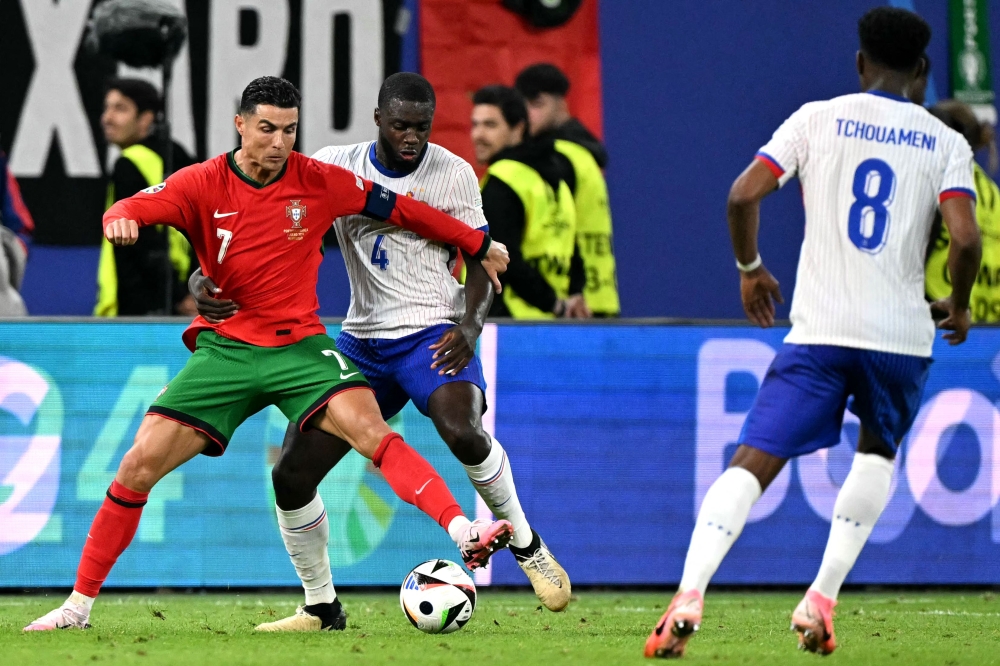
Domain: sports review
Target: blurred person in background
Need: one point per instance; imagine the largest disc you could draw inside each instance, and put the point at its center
(16, 226)
(140, 279)
(985, 301)
(544, 87)
(528, 202)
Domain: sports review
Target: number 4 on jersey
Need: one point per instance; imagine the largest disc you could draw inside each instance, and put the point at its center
(379, 257)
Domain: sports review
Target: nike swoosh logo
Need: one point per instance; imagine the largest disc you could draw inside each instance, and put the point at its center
(347, 376)
(424, 486)
(218, 214)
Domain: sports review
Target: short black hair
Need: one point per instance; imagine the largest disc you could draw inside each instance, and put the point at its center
(406, 87)
(542, 78)
(509, 101)
(145, 96)
(271, 90)
(893, 37)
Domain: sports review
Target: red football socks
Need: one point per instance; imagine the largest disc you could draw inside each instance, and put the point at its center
(414, 480)
(110, 534)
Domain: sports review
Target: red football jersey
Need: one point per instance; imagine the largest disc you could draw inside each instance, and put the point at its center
(261, 243)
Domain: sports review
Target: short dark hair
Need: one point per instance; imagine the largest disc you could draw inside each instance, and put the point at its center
(406, 87)
(271, 90)
(509, 101)
(542, 78)
(893, 37)
(142, 93)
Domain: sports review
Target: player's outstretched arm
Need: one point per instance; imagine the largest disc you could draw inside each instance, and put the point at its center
(758, 288)
(965, 251)
(121, 231)
(166, 203)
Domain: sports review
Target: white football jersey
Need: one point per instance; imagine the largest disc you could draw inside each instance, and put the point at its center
(402, 283)
(873, 169)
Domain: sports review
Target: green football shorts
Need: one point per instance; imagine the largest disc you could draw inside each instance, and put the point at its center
(225, 382)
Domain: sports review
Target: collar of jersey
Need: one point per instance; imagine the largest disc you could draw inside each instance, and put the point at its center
(231, 161)
(888, 95)
(386, 171)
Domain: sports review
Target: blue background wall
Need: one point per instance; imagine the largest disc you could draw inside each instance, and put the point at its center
(691, 91)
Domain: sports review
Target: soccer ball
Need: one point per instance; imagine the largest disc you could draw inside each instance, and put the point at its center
(438, 597)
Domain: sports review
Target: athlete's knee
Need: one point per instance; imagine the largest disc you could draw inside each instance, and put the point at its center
(470, 444)
(292, 488)
(139, 471)
(764, 466)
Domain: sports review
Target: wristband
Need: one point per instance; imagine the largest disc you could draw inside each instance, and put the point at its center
(752, 266)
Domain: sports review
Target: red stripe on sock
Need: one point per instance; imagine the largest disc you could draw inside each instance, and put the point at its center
(413, 479)
(110, 534)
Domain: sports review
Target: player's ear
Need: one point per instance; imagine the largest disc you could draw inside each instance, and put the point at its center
(378, 118)
(240, 123)
(860, 63)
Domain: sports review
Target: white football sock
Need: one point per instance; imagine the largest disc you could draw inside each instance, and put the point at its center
(306, 532)
(456, 529)
(494, 482)
(721, 518)
(81, 600)
(859, 504)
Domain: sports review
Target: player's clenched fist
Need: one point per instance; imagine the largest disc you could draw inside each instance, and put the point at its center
(496, 262)
(122, 232)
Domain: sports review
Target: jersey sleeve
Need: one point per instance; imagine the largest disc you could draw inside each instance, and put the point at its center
(168, 203)
(324, 154)
(465, 200)
(353, 195)
(785, 153)
(957, 179)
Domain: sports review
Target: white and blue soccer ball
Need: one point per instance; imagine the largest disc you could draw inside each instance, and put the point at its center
(438, 597)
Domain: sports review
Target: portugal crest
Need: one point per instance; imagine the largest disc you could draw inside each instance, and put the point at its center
(296, 212)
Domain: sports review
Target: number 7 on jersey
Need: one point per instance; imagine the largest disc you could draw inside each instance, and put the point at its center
(226, 236)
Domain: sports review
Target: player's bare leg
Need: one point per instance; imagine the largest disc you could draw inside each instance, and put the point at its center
(859, 504)
(354, 416)
(456, 409)
(160, 446)
(720, 520)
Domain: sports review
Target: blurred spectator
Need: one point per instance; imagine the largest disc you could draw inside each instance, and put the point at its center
(985, 301)
(544, 87)
(141, 279)
(16, 226)
(528, 202)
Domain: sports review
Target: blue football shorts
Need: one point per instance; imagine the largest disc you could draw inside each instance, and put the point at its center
(400, 370)
(800, 406)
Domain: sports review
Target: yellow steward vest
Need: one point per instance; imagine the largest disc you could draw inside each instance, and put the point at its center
(593, 230)
(985, 300)
(150, 165)
(549, 236)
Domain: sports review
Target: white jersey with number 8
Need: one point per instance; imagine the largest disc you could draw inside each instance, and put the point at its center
(873, 169)
(401, 283)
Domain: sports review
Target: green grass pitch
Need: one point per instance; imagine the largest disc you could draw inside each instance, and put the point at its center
(508, 628)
